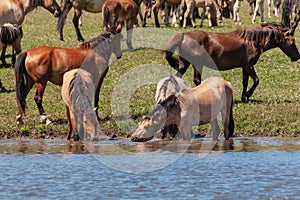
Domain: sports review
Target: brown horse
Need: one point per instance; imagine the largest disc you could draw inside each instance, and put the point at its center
(92, 6)
(78, 93)
(157, 7)
(42, 64)
(115, 12)
(192, 106)
(240, 48)
(14, 12)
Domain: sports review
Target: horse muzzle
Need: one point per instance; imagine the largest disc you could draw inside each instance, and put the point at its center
(57, 13)
(295, 58)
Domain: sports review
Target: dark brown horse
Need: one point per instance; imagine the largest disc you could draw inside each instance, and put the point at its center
(42, 64)
(240, 48)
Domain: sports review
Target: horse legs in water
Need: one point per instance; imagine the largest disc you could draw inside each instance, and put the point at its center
(249, 71)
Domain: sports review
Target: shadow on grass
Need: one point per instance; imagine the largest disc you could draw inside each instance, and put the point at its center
(254, 101)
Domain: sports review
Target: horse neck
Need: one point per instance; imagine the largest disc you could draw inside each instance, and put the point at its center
(30, 5)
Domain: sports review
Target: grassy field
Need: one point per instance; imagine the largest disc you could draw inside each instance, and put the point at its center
(274, 109)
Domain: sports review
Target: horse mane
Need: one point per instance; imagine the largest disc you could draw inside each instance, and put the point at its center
(9, 33)
(97, 40)
(262, 34)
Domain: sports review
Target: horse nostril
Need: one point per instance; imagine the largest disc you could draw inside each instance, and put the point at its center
(57, 13)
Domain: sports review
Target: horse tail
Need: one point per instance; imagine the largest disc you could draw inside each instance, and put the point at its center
(231, 121)
(20, 82)
(171, 47)
(287, 8)
(9, 33)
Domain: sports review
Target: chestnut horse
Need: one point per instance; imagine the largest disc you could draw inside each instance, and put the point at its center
(14, 12)
(115, 12)
(78, 93)
(42, 64)
(239, 48)
(190, 107)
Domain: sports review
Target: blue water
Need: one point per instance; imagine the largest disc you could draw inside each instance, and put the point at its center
(52, 172)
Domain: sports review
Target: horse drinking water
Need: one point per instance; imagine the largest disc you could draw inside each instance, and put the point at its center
(192, 106)
(78, 93)
(42, 64)
(224, 51)
(14, 12)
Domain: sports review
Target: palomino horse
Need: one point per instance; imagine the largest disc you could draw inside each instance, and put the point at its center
(78, 93)
(93, 6)
(192, 106)
(11, 35)
(210, 8)
(239, 48)
(115, 12)
(42, 64)
(14, 11)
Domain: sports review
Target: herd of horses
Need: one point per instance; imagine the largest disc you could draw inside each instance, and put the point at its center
(175, 102)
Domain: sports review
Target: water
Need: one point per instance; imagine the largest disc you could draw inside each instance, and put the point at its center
(245, 168)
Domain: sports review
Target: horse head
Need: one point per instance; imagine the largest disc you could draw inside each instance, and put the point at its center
(289, 46)
(51, 6)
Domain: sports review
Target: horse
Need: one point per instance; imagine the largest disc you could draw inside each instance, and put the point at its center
(78, 93)
(276, 6)
(210, 8)
(114, 12)
(288, 8)
(92, 6)
(14, 12)
(11, 34)
(192, 106)
(224, 51)
(42, 64)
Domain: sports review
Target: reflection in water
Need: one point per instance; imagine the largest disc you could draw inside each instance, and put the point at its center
(124, 146)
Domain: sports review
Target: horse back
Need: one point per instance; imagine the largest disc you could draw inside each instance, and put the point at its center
(52, 62)
(11, 11)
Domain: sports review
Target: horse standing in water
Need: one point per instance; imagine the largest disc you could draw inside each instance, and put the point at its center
(78, 93)
(42, 64)
(115, 12)
(14, 12)
(192, 106)
(224, 51)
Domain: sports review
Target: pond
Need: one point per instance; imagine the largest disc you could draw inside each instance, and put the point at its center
(244, 168)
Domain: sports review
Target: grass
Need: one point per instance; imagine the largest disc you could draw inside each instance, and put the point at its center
(274, 108)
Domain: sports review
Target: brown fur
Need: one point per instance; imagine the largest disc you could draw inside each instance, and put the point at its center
(190, 107)
(42, 64)
(224, 51)
(115, 12)
(14, 12)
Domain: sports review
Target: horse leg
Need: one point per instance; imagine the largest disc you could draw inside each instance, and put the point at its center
(97, 92)
(40, 88)
(262, 10)
(227, 118)
(255, 79)
(197, 75)
(202, 16)
(3, 55)
(245, 85)
(77, 15)
(70, 127)
(129, 30)
(215, 129)
(155, 12)
(255, 11)
(61, 20)
(183, 66)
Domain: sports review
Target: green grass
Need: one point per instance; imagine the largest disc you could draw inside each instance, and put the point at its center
(274, 109)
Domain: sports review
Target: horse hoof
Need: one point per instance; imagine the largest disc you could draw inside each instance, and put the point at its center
(245, 99)
(19, 120)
